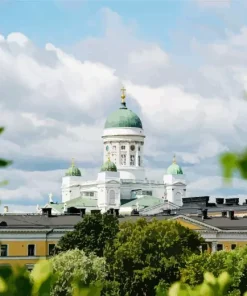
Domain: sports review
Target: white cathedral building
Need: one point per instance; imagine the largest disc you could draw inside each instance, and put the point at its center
(121, 184)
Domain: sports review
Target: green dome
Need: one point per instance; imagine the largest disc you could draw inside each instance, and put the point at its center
(73, 171)
(108, 166)
(123, 117)
(174, 169)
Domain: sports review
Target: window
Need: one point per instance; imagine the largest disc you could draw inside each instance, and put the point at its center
(204, 247)
(219, 247)
(31, 250)
(4, 250)
(139, 148)
(112, 197)
(132, 159)
(51, 249)
(123, 159)
(122, 147)
(132, 147)
(114, 148)
(139, 160)
(233, 246)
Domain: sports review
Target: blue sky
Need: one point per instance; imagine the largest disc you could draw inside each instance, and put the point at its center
(67, 22)
(183, 62)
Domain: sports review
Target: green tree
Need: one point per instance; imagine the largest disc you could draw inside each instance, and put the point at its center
(146, 252)
(75, 266)
(3, 162)
(233, 262)
(91, 234)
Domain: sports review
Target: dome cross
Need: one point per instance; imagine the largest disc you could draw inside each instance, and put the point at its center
(123, 94)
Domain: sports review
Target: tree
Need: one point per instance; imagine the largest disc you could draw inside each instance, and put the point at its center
(233, 262)
(3, 162)
(75, 266)
(91, 234)
(144, 253)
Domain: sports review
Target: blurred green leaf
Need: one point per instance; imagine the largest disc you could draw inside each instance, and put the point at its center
(229, 164)
(4, 162)
(1, 129)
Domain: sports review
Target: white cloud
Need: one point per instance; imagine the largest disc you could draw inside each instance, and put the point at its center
(55, 104)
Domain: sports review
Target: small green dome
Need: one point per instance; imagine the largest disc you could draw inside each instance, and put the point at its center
(123, 117)
(73, 171)
(108, 166)
(174, 168)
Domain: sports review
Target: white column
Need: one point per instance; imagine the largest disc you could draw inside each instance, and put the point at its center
(214, 247)
(137, 154)
(128, 154)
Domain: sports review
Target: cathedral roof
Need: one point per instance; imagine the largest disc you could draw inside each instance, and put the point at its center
(73, 170)
(123, 117)
(109, 166)
(174, 168)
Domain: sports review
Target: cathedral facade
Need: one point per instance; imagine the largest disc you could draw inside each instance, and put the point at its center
(121, 183)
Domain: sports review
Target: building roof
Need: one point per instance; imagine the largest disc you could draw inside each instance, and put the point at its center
(174, 168)
(123, 117)
(225, 223)
(73, 170)
(144, 201)
(37, 221)
(108, 166)
(79, 202)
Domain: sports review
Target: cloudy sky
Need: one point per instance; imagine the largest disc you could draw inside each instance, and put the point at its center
(62, 64)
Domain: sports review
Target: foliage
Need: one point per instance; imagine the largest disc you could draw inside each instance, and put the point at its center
(91, 234)
(75, 266)
(145, 252)
(3, 162)
(234, 162)
(211, 286)
(234, 262)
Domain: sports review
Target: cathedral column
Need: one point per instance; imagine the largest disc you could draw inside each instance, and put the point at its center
(128, 154)
(137, 154)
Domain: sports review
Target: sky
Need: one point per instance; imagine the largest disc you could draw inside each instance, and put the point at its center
(62, 64)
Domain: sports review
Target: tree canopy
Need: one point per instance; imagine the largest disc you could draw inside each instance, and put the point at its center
(75, 266)
(91, 234)
(234, 262)
(146, 252)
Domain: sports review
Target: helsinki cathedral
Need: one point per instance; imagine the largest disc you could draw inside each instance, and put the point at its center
(121, 184)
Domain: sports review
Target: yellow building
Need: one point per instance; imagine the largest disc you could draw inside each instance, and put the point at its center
(25, 239)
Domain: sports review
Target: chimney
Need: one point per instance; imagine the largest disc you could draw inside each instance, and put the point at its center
(204, 214)
(6, 209)
(46, 211)
(220, 201)
(223, 214)
(230, 215)
(82, 212)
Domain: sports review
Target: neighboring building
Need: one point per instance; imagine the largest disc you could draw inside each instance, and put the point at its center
(25, 239)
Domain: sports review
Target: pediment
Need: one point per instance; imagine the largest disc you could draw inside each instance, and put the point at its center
(179, 184)
(112, 182)
(193, 223)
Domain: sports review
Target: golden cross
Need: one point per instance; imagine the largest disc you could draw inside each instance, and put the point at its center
(123, 95)
(174, 158)
(73, 162)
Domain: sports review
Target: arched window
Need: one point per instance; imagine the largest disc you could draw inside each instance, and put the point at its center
(112, 197)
